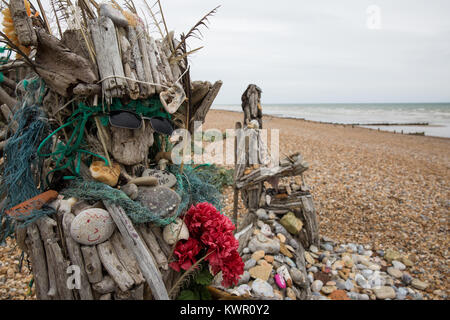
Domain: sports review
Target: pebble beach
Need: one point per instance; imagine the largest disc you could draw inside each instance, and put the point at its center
(377, 190)
(376, 194)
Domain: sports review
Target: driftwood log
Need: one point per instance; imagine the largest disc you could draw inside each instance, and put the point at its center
(110, 65)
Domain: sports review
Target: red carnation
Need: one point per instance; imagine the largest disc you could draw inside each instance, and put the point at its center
(185, 251)
(213, 231)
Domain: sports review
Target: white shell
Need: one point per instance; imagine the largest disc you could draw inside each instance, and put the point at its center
(92, 226)
(170, 232)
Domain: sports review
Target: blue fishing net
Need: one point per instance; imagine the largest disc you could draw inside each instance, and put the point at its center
(22, 167)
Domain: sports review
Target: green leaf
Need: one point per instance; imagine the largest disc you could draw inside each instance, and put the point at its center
(188, 295)
(205, 294)
(204, 277)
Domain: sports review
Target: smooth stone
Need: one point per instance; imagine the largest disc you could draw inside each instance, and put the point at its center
(262, 214)
(310, 278)
(258, 255)
(384, 292)
(407, 262)
(107, 10)
(284, 250)
(105, 174)
(406, 279)
(313, 249)
(281, 237)
(367, 273)
(398, 265)
(245, 277)
(298, 277)
(421, 285)
(175, 231)
(316, 285)
(246, 250)
(144, 181)
(328, 289)
(289, 262)
(269, 246)
(364, 297)
(265, 230)
(269, 258)
(164, 178)
(362, 282)
(394, 272)
(380, 253)
(290, 294)
(92, 226)
(249, 264)
(401, 294)
(353, 295)
(294, 243)
(309, 258)
(291, 223)
(313, 269)
(327, 247)
(392, 254)
(349, 285)
(352, 247)
(131, 190)
(243, 289)
(161, 201)
(261, 272)
(262, 288)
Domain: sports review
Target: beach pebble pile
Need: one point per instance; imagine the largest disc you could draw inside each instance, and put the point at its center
(333, 271)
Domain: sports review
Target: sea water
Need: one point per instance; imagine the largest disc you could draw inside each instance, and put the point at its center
(437, 115)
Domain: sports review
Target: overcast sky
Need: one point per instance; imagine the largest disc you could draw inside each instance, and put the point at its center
(302, 51)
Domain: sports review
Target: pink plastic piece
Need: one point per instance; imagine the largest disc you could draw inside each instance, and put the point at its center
(280, 281)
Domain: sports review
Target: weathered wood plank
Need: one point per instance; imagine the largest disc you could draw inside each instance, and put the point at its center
(114, 267)
(137, 246)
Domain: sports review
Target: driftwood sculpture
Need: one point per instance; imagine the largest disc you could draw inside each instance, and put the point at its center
(68, 87)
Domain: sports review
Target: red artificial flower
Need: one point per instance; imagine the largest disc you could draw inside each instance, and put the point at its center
(185, 251)
(213, 231)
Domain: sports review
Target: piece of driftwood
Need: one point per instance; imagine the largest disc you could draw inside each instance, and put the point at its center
(130, 147)
(7, 99)
(107, 296)
(107, 285)
(46, 227)
(92, 263)
(86, 90)
(201, 111)
(251, 104)
(154, 63)
(264, 173)
(61, 266)
(154, 247)
(113, 265)
(176, 73)
(59, 67)
(37, 254)
(9, 83)
(144, 48)
(165, 64)
(76, 257)
(199, 91)
(159, 237)
(126, 258)
(136, 293)
(309, 235)
(125, 48)
(110, 64)
(135, 244)
(136, 61)
(23, 26)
